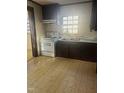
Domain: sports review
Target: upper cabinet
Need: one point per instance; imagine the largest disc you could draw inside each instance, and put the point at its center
(93, 25)
(50, 12)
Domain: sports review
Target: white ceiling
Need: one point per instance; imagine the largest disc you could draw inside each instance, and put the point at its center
(43, 2)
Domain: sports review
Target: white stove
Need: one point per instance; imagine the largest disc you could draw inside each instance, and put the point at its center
(48, 46)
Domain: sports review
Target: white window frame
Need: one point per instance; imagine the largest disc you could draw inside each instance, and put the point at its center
(70, 24)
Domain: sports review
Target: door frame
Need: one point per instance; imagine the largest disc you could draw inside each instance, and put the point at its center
(33, 30)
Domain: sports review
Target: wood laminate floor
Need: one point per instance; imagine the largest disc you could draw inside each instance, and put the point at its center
(61, 75)
(29, 54)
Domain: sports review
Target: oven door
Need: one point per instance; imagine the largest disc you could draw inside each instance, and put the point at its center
(47, 46)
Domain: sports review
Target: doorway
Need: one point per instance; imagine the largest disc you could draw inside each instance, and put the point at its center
(31, 34)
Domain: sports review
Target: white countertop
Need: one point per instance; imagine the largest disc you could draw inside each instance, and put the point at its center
(88, 41)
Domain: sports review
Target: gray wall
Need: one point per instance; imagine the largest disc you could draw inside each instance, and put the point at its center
(82, 10)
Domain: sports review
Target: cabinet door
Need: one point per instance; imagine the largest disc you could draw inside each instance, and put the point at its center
(50, 11)
(94, 16)
(62, 49)
(88, 51)
(74, 50)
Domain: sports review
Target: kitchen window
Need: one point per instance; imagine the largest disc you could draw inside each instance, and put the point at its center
(70, 24)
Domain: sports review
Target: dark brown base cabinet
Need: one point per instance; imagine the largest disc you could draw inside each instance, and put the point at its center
(62, 49)
(77, 50)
